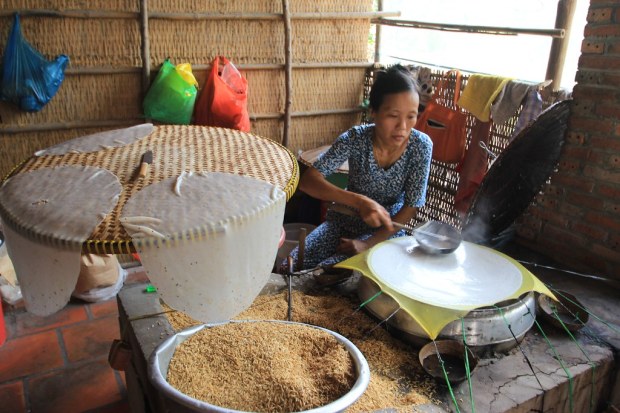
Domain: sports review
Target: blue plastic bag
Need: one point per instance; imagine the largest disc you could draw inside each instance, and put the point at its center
(28, 79)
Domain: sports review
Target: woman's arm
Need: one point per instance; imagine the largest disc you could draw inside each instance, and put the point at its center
(351, 246)
(374, 214)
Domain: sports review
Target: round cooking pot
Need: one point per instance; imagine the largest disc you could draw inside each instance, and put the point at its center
(485, 328)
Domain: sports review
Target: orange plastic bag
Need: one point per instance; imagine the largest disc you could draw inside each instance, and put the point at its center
(445, 126)
(224, 100)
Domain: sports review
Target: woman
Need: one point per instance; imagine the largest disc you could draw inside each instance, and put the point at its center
(389, 164)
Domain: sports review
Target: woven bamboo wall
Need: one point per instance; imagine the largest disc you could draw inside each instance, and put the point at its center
(103, 83)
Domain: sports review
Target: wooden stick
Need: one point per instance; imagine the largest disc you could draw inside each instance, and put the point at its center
(469, 29)
(273, 16)
(104, 14)
(288, 75)
(559, 46)
(196, 68)
(69, 125)
(378, 34)
(146, 47)
(107, 123)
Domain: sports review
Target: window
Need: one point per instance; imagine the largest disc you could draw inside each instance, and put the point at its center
(523, 56)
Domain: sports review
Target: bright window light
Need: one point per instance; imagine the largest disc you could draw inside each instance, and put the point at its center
(522, 57)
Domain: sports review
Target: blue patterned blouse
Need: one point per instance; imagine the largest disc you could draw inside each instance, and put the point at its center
(402, 183)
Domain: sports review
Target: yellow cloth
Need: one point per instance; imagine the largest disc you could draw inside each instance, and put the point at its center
(479, 94)
(432, 319)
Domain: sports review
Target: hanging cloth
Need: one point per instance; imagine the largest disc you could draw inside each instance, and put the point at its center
(532, 107)
(508, 100)
(473, 167)
(479, 94)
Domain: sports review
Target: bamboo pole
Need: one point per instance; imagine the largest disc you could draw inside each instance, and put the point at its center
(288, 74)
(279, 115)
(146, 46)
(506, 31)
(104, 14)
(557, 54)
(41, 127)
(251, 66)
(273, 16)
(75, 14)
(378, 34)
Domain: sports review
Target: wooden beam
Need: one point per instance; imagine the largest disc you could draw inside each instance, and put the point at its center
(41, 127)
(249, 66)
(105, 14)
(288, 73)
(272, 16)
(559, 46)
(146, 46)
(378, 34)
(506, 31)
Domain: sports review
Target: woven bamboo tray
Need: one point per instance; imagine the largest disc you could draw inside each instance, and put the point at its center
(176, 148)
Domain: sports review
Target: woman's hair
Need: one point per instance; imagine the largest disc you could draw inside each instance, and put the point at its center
(395, 79)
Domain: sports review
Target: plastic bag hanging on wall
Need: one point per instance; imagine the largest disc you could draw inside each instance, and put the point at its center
(224, 100)
(28, 79)
(171, 96)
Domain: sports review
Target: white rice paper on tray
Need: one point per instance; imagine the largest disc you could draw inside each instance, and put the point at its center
(48, 214)
(98, 141)
(208, 241)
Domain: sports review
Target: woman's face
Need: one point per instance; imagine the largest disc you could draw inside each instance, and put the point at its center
(396, 117)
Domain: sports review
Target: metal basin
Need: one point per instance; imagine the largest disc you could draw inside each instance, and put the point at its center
(177, 401)
(485, 328)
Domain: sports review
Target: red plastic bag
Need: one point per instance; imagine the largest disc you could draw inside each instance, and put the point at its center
(223, 104)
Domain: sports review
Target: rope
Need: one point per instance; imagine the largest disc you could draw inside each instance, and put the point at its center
(359, 307)
(467, 369)
(527, 360)
(445, 375)
(616, 329)
(382, 321)
(558, 358)
(555, 313)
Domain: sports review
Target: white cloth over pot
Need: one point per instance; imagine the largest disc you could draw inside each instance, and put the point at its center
(207, 241)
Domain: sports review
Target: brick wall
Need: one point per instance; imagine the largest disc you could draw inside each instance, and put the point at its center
(576, 220)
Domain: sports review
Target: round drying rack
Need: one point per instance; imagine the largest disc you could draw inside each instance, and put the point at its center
(176, 149)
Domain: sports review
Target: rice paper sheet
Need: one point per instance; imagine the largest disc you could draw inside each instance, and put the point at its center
(208, 241)
(101, 140)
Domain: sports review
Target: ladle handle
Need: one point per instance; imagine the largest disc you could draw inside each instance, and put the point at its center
(343, 209)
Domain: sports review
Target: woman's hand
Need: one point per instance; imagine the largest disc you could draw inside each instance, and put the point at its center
(374, 214)
(351, 246)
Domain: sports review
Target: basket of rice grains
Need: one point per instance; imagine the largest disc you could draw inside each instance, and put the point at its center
(258, 366)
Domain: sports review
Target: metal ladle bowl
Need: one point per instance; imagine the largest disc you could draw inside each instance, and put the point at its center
(436, 237)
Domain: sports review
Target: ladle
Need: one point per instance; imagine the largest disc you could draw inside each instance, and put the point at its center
(343, 209)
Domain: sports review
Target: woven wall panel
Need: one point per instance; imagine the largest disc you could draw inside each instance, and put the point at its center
(267, 128)
(259, 6)
(215, 6)
(84, 97)
(327, 6)
(111, 5)
(316, 89)
(310, 132)
(330, 40)
(16, 148)
(87, 42)
(199, 41)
